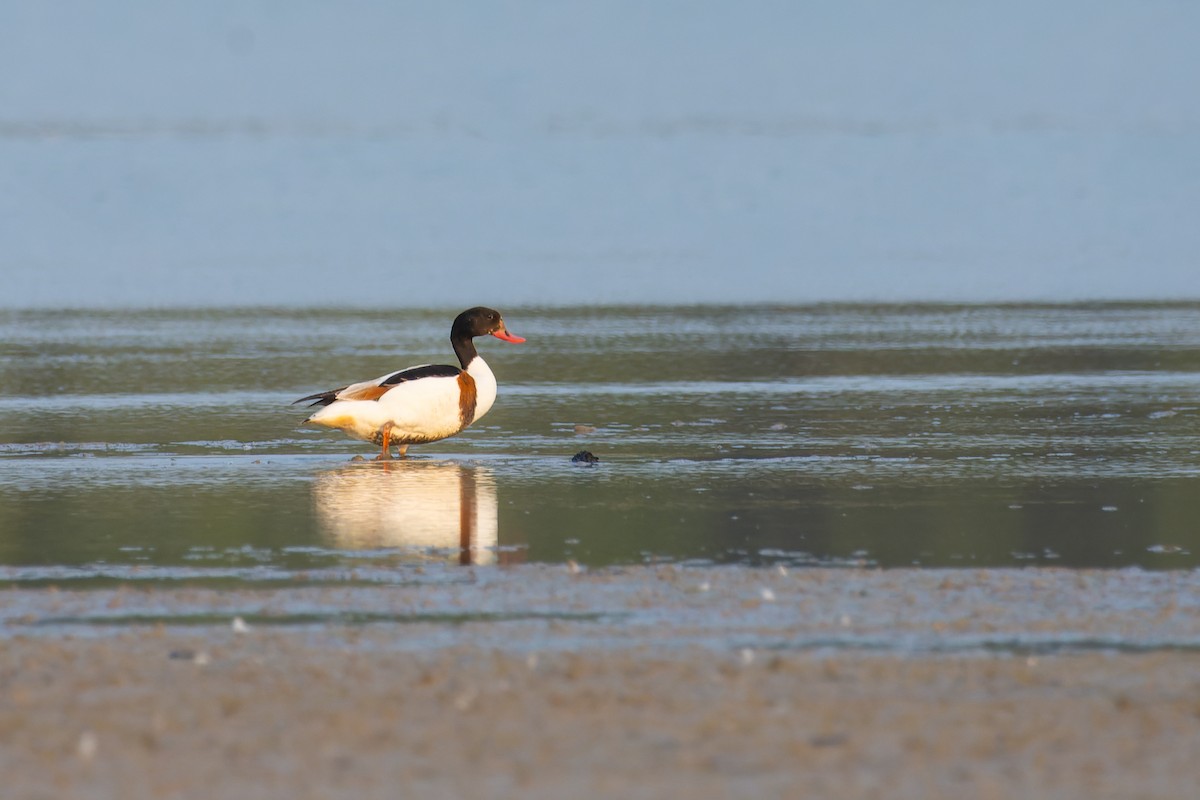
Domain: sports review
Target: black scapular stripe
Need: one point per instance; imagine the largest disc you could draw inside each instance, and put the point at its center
(427, 371)
(410, 374)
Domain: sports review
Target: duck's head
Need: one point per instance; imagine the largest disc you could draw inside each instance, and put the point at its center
(481, 321)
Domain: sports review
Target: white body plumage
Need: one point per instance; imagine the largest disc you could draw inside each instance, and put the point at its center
(421, 410)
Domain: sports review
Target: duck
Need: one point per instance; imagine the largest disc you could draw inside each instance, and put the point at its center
(420, 404)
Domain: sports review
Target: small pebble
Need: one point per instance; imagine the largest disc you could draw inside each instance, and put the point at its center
(829, 740)
(195, 656)
(88, 744)
(465, 700)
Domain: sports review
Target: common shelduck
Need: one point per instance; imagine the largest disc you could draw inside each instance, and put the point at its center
(419, 404)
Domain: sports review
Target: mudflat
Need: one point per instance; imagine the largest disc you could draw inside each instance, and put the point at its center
(638, 682)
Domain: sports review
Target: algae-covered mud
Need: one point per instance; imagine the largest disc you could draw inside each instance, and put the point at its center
(161, 444)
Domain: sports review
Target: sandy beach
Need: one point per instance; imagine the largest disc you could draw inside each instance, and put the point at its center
(677, 683)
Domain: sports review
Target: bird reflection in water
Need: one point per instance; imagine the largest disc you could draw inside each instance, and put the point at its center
(411, 505)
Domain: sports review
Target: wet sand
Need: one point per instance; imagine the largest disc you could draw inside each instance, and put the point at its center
(712, 682)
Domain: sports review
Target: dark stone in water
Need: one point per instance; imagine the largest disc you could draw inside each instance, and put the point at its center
(584, 457)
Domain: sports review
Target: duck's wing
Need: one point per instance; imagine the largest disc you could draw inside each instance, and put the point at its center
(377, 388)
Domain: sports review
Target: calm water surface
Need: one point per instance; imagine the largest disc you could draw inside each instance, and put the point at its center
(161, 445)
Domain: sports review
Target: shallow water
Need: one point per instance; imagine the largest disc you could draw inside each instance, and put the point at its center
(161, 446)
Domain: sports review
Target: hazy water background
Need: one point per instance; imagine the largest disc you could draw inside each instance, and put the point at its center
(420, 155)
(917, 435)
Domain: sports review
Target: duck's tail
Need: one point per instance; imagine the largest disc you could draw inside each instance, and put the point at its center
(320, 398)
